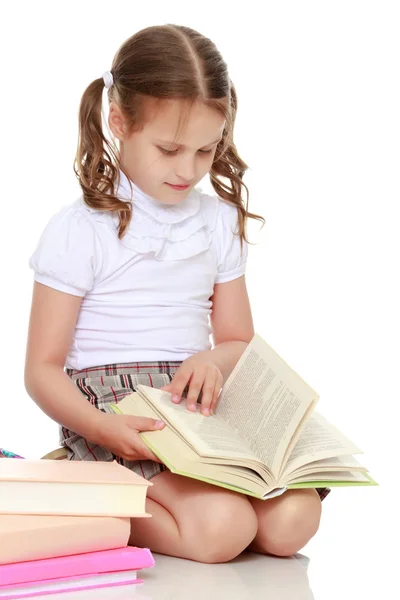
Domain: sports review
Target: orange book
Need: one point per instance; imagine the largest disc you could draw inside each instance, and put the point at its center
(36, 537)
(63, 487)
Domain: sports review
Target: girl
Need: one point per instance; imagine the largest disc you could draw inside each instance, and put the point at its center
(133, 277)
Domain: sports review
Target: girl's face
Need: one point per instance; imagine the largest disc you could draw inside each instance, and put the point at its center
(151, 161)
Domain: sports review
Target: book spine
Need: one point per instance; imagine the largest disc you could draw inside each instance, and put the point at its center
(120, 559)
(90, 534)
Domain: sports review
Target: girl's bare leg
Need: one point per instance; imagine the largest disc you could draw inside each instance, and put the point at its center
(286, 523)
(194, 520)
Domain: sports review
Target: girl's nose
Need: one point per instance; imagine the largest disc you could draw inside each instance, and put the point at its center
(185, 171)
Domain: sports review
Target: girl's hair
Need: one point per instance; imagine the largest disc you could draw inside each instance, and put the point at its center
(159, 63)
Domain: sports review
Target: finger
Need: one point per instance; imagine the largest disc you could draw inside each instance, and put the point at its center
(149, 455)
(145, 423)
(208, 394)
(166, 387)
(155, 458)
(179, 383)
(195, 386)
(217, 391)
(173, 396)
(143, 450)
(134, 454)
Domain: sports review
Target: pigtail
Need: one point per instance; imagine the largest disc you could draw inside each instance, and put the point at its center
(229, 165)
(96, 157)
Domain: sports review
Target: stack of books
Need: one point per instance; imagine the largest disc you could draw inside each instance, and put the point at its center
(65, 525)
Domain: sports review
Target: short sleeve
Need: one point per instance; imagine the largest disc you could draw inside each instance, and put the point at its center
(67, 253)
(232, 257)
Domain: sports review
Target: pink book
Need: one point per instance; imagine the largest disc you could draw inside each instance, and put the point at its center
(71, 573)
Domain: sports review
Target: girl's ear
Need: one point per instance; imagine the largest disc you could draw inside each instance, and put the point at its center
(116, 121)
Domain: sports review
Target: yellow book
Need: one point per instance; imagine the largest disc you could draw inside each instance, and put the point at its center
(264, 437)
(71, 488)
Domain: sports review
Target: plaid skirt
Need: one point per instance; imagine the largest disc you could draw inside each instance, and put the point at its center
(108, 384)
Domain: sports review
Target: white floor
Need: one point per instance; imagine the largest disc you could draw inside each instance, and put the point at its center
(350, 557)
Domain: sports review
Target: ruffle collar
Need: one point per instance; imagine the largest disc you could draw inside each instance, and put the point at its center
(145, 205)
(171, 232)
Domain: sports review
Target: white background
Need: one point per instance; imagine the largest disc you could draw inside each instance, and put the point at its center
(318, 124)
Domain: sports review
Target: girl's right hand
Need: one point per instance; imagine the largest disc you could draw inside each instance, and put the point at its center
(120, 435)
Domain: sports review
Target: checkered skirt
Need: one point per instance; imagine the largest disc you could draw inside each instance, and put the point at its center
(108, 384)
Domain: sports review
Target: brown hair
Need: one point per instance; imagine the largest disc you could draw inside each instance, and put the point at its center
(195, 72)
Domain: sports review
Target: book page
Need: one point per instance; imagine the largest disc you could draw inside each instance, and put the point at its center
(264, 401)
(210, 436)
(174, 451)
(335, 463)
(330, 476)
(318, 440)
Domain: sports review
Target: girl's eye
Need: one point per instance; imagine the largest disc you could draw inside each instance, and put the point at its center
(172, 152)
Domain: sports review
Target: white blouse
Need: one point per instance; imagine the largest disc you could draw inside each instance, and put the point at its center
(145, 297)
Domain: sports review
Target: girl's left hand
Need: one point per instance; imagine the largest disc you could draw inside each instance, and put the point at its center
(204, 375)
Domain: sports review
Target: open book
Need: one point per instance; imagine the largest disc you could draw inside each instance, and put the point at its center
(264, 437)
